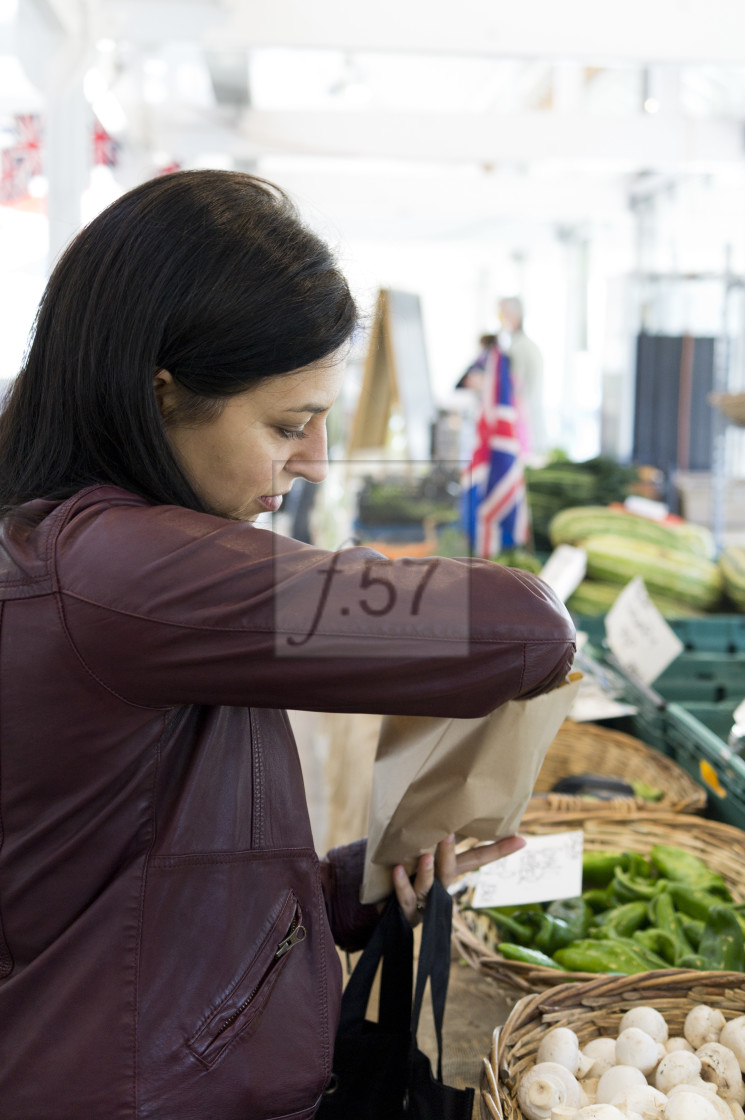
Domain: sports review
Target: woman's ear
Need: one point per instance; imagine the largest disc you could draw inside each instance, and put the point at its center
(165, 391)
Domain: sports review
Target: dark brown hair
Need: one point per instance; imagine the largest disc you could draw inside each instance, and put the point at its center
(208, 274)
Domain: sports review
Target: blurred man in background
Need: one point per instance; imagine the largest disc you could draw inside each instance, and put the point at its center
(526, 366)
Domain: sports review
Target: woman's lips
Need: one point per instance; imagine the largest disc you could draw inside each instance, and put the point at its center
(272, 502)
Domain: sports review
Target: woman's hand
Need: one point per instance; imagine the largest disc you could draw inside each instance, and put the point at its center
(447, 866)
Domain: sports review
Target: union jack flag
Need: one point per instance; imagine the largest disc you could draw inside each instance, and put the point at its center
(494, 503)
(22, 160)
(105, 147)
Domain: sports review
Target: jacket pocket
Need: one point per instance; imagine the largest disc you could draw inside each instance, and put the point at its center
(249, 995)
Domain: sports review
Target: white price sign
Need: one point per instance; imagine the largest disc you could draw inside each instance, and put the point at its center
(548, 867)
(564, 570)
(638, 635)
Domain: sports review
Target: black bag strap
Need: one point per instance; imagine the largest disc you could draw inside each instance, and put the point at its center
(434, 962)
(392, 942)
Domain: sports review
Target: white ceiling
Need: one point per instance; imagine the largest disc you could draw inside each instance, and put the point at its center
(408, 116)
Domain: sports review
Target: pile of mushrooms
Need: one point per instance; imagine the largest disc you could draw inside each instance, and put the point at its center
(642, 1074)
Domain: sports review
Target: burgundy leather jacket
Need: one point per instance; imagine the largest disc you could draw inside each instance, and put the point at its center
(165, 949)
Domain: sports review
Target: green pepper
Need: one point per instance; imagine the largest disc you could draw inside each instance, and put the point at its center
(575, 912)
(637, 865)
(521, 931)
(692, 928)
(683, 867)
(662, 914)
(645, 791)
(599, 898)
(616, 954)
(693, 902)
(722, 944)
(628, 887)
(553, 933)
(622, 920)
(529, 956)
(693, 960)
(598, 867)
(658, 941)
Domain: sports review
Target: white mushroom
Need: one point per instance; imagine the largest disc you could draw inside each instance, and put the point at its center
(589, 1090)
(563, 1112)
(616, 1079)
(702, 1098)
(678, 1043)
(736, 1110)
(600, 1112)
(703, 1024)
(560, 1045)
(545, 1086)
(603, 1053)
(584, 1066)
(733, 1035)
(647, 1019)
(635, 1047)
(720, 1066)
(676, 1069)
(644, 1099)
(684, 1103)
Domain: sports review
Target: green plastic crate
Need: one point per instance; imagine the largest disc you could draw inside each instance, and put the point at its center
(698, 675)
(715, 633)
(687, 714)
(706, 757)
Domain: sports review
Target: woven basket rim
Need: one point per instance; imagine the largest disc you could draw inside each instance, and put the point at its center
(588, 1004)
(724, 846)
(589, 747)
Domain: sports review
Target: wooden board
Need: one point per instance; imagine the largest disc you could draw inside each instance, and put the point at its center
(395, 379)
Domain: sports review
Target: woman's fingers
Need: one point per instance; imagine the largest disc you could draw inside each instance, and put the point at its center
(487, 853)
(447, 865)
(412, 897)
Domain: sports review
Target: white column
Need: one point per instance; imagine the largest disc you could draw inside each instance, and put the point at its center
(67, 164)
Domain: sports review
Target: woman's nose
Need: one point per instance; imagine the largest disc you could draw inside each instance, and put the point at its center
(311, 460)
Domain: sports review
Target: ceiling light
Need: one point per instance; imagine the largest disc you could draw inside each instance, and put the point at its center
(38, 186)
(95, 85)
(110, 113)
(651, 105)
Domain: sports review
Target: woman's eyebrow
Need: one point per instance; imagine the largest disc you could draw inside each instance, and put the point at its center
(314, 408)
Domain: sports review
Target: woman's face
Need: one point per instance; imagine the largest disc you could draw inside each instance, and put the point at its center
(244, 461)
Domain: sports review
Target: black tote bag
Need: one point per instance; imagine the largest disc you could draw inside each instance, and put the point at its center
(379, 1072)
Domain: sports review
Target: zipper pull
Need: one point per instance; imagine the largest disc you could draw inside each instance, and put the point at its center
(298, 934)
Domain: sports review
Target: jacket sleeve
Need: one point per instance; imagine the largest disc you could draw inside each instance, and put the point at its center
(351, 921)
(168, 607)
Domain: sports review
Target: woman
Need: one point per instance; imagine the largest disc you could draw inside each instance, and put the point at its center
(165, 947)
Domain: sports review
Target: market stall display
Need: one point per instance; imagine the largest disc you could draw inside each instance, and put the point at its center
(603, 1008)
(675, 558)
(627, 843)
(688, 714)
(657, 783)
(563, 482)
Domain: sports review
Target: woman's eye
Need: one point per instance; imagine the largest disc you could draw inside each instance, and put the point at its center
(291, 433)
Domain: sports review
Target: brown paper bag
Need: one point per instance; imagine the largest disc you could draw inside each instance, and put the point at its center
(474, 777)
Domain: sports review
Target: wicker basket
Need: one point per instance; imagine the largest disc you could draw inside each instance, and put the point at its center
(591, 1009)
(581, 748)
(721, 846)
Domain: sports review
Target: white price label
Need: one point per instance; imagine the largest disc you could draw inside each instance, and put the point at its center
(638, 635)
(548, 867)
(564, 570)
(738, 717)
(646, 507)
